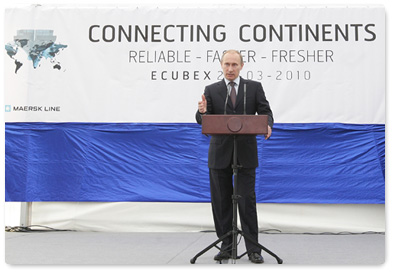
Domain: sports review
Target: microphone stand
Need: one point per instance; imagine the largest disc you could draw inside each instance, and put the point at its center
(235, 230)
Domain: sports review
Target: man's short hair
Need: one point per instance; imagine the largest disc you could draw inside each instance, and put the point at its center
(232, 51)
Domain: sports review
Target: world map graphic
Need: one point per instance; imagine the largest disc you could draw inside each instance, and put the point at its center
(37, 44)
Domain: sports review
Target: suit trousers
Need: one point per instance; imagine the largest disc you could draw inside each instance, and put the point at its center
(221, 186)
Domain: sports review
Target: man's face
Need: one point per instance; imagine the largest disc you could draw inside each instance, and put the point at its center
(231, 65)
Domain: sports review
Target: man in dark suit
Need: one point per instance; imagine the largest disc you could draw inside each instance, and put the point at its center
(221, 152)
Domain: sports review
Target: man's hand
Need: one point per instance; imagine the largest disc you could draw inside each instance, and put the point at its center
(202, 105)
(269, 132)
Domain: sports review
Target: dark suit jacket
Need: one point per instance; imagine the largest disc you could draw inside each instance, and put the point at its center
(221, 146)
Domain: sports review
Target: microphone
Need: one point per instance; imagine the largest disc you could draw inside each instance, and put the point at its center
(245, 98)
(227, 97)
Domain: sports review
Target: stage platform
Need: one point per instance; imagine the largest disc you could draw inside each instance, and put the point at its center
(105, 248)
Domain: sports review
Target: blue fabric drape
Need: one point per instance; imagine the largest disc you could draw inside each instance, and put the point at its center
(153, 162)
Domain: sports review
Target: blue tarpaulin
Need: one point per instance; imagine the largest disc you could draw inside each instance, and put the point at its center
(155, 162)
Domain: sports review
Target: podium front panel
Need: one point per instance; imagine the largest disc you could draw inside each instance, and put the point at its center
(234, 124)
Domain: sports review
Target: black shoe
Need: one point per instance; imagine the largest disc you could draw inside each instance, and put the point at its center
(255, 258)
(222, 255)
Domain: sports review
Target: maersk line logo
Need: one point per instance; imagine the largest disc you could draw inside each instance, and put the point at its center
(32, 108)
(37, 44)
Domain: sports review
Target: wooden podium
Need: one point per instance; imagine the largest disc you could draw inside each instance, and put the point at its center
(235, 125)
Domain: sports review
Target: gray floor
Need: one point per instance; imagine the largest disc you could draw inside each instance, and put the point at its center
(178, 248)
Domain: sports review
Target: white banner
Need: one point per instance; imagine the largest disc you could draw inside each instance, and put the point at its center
(134, 64)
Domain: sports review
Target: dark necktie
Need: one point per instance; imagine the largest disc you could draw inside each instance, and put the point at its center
(233, 94)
